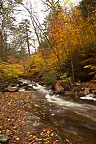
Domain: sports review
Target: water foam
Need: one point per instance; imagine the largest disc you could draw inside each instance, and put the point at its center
(89, 97)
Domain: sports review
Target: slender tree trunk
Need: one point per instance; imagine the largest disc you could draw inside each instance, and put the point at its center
(35, 26)
(28, 44)
(27, 40)
(71, 55)
(72, 65)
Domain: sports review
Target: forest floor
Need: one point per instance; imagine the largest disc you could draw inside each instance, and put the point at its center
(20, 124)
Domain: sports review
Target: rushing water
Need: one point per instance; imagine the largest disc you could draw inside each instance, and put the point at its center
(71, 119)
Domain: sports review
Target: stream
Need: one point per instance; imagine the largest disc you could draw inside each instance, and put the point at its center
(75, 120)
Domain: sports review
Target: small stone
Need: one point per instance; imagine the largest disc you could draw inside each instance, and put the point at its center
(4, 139)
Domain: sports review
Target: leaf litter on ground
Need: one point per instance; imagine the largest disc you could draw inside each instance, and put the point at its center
(20, 124)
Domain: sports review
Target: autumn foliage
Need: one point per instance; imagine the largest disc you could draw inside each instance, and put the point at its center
(67, 50)
(73, 48)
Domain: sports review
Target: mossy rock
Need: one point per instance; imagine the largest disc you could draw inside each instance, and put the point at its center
(4, 139)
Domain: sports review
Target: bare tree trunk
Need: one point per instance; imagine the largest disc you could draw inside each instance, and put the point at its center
(24, 64)
(71, 55)
(28, 43)
(34, 21)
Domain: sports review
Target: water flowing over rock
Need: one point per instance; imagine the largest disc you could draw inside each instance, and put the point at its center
(74, 118)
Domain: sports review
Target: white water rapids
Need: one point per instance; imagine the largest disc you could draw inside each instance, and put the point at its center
(85, 110)
(82, 109)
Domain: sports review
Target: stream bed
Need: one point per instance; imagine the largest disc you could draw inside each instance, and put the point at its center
(69, 118)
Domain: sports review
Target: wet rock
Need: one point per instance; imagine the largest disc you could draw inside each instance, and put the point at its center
(68, 92)
(62, 86)
(34, 84)
(4, 139)
(22, 85)
(50, 87)
(59, 88)
(66, 86)
(11, 90)
(28, 88)
(19, 82)
(13, 85)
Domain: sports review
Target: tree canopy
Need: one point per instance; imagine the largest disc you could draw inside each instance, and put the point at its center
(67, 42)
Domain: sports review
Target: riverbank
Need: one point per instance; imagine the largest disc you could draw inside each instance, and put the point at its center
(58, 87)
(31, 113)
(20, 123)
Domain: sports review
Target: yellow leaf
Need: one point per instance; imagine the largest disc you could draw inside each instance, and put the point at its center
(17, 138)
(7, 131)
(40, 139)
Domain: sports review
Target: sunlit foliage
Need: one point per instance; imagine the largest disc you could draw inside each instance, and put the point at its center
(67, 46)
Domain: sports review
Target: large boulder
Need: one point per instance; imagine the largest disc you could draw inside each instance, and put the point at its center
(58, 87)
(62, 86)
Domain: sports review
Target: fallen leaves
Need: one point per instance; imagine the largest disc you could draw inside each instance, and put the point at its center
(20, 123)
